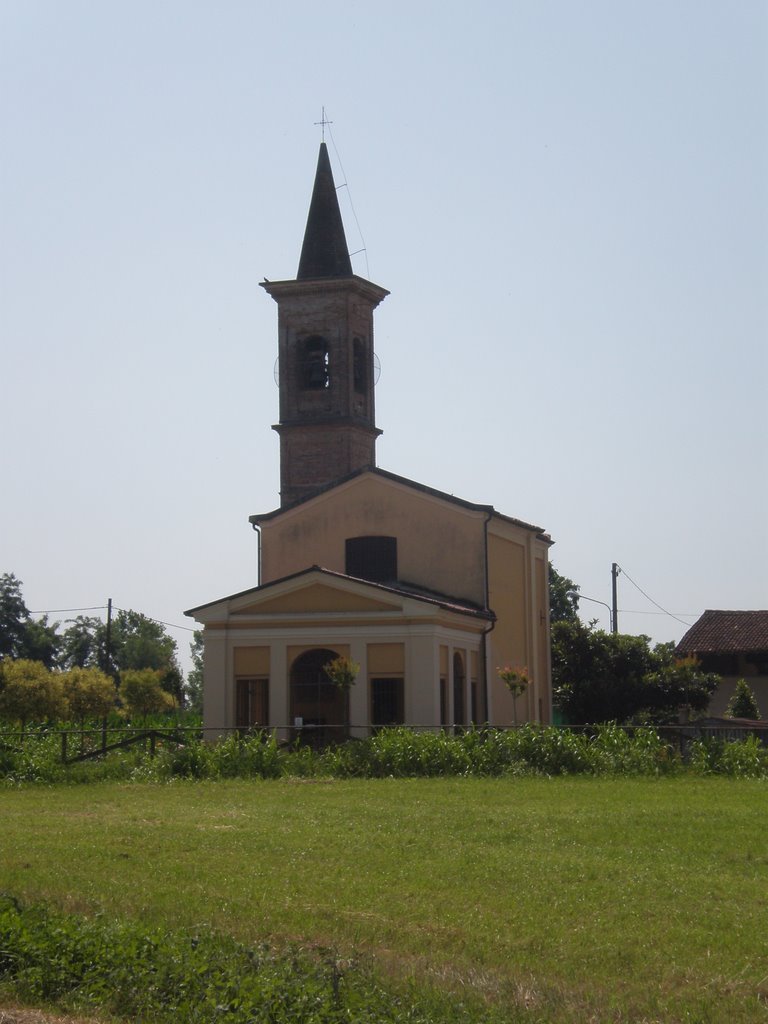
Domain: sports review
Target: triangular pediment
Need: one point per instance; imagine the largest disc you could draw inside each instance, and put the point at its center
(318, 592)
(315, 597)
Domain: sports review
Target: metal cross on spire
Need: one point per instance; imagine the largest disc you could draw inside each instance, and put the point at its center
(323, 122)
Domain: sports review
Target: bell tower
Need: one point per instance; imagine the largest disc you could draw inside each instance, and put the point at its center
(327, 422)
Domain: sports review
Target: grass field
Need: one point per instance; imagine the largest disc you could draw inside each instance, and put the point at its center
(581, 899)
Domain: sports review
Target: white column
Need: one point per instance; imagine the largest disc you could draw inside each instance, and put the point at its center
(467, 684)
(278, 689)
(450, 710)
(215, 684)
(422, 681)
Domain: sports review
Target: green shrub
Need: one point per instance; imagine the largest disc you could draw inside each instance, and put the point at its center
(738, 758)
(608, 750)
(743, 703)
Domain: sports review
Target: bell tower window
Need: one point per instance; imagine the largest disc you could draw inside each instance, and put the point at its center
(313, 367)
(359, 366)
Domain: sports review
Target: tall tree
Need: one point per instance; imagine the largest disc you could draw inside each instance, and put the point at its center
(138, 642)
(194, 688)
(13, 617)
(41, 641)
(21, 636)
(82, 643)
(563, 598)
(603, 677)
(135, 642)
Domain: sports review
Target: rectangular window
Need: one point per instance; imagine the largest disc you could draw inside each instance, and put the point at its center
(443, 701)
(372, 558)
(387, 705)
(252, 703)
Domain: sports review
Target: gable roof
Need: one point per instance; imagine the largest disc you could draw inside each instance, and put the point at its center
(404, 481)
(727, 631)
(443, 601)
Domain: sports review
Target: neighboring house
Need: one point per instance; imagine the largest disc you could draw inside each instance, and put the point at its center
(735, 645)
(428, 593)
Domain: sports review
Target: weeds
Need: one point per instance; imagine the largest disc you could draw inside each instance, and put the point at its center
(394, 753)
(140, 973)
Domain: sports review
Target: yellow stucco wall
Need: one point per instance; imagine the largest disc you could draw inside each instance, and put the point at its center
(386, 659)
(509, 639)
(518, 572)
(427, 528)
(251, 661)
(319, 598)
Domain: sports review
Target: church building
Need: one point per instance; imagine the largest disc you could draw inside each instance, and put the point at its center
(427, 593)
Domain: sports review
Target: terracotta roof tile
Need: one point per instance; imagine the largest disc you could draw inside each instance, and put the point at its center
(726, 631)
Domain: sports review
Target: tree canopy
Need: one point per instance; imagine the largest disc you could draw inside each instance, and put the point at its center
(563, 598)
(194, 688)
(133, 642)
(602, 677)
(21, 636)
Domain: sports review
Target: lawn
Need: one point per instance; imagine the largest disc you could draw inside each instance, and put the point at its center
(627, 900)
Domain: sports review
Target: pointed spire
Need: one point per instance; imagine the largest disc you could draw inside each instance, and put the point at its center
(324, 252)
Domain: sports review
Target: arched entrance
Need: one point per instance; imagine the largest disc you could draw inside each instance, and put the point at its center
(315, 700)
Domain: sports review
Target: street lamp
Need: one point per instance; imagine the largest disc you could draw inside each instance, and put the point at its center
(583, 597)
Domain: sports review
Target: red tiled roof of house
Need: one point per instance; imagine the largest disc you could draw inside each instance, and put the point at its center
(726, 631)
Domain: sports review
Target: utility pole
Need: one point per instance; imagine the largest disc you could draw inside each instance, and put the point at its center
(108, 644)
(615, 570)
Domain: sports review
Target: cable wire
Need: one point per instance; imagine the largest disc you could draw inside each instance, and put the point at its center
(59, 611)
(639, 611)
(171, 625)
(103, 607)
(649, 598)
(351, 204)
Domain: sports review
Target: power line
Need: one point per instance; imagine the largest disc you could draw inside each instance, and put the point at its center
(349, 194)
(649, 598)
(639, 611)
(103, 607)
(59, 611)
(171, 625)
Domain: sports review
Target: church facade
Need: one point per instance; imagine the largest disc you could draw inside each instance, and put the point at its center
(427, 593)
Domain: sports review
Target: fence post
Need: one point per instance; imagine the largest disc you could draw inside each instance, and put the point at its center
(104, 735)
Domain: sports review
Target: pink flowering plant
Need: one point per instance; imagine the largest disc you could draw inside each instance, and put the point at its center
(516, 680)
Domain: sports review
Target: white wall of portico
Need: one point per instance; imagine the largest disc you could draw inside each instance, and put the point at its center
(218, 708)
(421, 642)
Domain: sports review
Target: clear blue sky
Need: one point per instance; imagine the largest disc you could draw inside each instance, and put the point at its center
(567, 201)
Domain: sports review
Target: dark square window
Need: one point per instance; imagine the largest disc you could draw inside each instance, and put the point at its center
(387, 702)
(372, 558)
